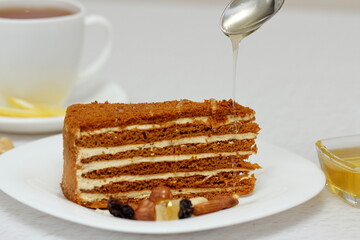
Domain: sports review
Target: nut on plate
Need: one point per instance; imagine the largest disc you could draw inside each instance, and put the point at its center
(5, 144)
(145, 211)
(215, 204)
(160, 193)
(198, 200)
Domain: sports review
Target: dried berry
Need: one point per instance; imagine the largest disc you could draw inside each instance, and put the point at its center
(185, 209)
(118, 209)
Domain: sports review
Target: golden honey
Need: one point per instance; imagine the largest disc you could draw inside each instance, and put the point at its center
(342, 169)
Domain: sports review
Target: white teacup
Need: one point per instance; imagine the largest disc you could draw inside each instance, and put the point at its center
(40, 56)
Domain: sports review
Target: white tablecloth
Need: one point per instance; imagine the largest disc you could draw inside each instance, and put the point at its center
(300, 72)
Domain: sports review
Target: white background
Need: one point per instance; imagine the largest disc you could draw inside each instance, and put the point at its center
(300, 72)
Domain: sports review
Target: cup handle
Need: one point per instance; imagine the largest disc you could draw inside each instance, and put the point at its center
(96, 65)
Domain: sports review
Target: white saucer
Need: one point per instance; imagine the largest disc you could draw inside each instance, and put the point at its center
(109, 92)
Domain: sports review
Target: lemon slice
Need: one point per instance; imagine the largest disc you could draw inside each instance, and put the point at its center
(20, 103)
(23, 108)
(14, 112)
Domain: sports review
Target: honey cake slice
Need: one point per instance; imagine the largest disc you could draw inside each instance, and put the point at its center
(123, 151)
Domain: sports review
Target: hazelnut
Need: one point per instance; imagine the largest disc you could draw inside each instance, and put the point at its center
(145, 211)
(160, 193)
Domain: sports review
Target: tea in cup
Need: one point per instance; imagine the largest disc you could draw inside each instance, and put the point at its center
(41, 49)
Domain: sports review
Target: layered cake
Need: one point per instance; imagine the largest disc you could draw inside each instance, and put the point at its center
(123, 151)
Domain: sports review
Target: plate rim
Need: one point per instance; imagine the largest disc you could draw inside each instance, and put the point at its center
(316, 188)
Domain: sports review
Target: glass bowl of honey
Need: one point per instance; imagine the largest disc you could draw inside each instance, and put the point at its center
(340, 160)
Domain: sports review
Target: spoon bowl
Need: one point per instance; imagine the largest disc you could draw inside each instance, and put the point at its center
(243, 17)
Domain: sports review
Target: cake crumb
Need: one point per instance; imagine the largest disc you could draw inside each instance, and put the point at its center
(5, 144)
(103, 211)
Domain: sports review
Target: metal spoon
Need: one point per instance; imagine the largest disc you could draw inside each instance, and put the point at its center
(243, 17)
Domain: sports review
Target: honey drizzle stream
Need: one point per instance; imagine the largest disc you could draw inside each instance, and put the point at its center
(235, 41)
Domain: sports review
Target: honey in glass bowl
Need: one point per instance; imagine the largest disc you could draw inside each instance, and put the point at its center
(340, 160)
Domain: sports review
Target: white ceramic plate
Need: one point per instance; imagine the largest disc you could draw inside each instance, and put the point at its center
(32, 173)
(109, 92)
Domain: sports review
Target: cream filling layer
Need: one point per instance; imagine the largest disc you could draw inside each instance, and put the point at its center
(88, 184)
(230, 119)
(170, 158)
(90, 197)
(89, 152)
